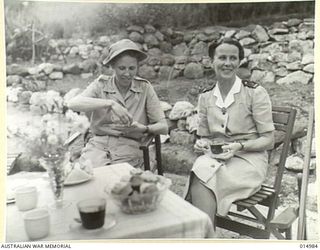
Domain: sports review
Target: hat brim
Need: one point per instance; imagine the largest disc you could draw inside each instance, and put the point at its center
(140, 55)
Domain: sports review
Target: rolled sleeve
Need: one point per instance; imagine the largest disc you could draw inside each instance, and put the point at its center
(92, 90)
(153, 108)
(203, 127)
(262, 111)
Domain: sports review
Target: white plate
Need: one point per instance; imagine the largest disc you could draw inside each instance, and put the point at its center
(109, 222)
(79, 181)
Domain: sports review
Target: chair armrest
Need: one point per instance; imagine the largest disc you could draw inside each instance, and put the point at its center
(285, 219)
(71, 139)
(147, 141)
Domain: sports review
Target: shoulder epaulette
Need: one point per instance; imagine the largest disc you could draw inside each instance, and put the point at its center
(141, 79)
(250, 84)
(103, 78)
(209, 88)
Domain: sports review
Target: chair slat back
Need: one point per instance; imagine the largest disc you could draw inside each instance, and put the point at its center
(283, 119)
(280, 117)
(280, 127)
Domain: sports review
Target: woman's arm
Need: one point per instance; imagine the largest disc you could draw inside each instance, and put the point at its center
(160, 127)
(86, 104)
(158, 123)
(265, 141)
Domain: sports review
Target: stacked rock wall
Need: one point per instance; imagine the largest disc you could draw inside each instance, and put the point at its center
(282, 53)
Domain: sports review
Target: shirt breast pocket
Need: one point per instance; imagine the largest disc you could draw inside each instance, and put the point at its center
(240, 118)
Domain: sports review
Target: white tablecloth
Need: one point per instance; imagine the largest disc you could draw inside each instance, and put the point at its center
(174, 218)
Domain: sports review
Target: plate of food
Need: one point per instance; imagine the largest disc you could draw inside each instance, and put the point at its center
(75, 175)
(139, 192)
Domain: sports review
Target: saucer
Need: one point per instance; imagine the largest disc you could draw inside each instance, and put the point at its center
(109, 222)
(9, 201)
(78, 181)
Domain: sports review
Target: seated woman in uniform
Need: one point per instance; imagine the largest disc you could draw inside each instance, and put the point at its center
(237, 114)
(122, 109)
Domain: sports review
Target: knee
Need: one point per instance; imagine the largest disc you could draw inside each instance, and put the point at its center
(196, 185)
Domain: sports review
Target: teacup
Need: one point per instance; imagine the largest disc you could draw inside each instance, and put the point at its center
(216, 148)
(26, 197)
(37, 223)
(92, 212)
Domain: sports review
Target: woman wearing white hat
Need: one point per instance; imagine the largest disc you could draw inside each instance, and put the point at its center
(122, 108)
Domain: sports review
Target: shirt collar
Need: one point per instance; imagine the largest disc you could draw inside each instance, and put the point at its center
(110, 86)
(230, 97)
(136, 86)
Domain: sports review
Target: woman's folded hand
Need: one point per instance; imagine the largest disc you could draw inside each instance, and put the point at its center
(135, 127)
(226, 155)
(120, 114)
(228, 151)
(202, 145)
(233, 147)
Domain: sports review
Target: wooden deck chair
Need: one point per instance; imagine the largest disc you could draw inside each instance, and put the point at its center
(282, 224)
(249, 219)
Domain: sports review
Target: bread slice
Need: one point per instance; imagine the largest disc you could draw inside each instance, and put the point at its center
(77, 175)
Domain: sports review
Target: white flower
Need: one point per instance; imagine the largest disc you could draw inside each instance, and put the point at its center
(71, 115)
(45, 118)
(53, 140)
(52, 127)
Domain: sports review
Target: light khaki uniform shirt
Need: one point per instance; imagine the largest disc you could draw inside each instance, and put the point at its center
(141, 102)
(111, 145)
(245, 115)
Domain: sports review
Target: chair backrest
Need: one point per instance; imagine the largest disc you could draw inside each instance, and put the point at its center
(283, 119)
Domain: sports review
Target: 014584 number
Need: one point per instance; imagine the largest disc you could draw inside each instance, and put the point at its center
(309, 245)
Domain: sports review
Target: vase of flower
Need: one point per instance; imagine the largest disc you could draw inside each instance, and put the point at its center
(46, 141)
(54, 164)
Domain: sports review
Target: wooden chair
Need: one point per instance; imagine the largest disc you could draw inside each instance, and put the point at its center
(146, 153)
(256, 223)
(282, 224)
(145, 145)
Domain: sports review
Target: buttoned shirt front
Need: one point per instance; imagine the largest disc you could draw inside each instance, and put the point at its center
(244, 114)
(141, 102)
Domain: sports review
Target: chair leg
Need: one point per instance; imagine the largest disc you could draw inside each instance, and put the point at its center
(288, 233)
(146, 159)
(158, 154)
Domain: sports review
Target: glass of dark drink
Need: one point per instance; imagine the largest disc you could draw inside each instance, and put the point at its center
(216, 148)
(92, 212)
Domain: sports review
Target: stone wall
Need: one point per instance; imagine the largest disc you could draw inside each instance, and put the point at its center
(282, 53)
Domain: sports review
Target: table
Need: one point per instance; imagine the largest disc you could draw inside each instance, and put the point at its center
(174, 218)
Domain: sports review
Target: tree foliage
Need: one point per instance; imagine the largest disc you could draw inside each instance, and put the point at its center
(73, 20)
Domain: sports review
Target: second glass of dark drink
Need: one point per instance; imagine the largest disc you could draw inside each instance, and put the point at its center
(92, 212)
